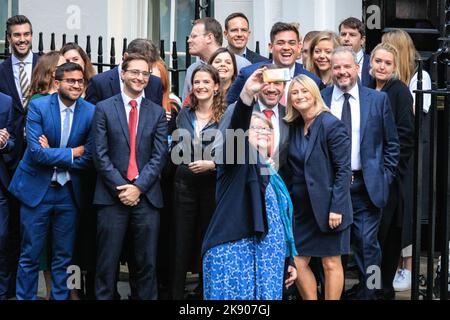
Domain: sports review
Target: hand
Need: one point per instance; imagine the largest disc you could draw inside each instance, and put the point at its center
(4, 136)
(334, 220)
(129, 194)
(292, 276)
(168, 115)
(271, 162)
(44, 142)
(252, 86)
(78, 151)
(201, 166)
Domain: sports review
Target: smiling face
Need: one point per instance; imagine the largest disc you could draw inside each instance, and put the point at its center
(237, 33)
(260, 135)
(345, 70)
(302, 100)
(75, 57)
(285, 48)
(20, 39)
(271, 93)
(135, 78)
(224, 65)
(69, 93)
(203, 86)
(322, 55)
(383, 65)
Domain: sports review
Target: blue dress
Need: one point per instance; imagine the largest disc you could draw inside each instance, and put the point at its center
(250, 268)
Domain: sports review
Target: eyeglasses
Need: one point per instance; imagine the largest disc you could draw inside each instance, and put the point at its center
(136, 73)
(72, 81)
(261, 129)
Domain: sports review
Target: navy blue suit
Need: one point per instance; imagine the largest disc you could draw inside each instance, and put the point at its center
(111, 157)
(8, 87)
(107, 84)
(366, 79)
(6, 105)
(379, 153)
(245, 73)
(254, 57)
(40, 202)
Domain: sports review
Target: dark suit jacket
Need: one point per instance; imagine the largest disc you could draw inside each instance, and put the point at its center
(17, 120)
(240, 192)
(112, 149)
(380, 147)
(245, 73)
(107, 84)
(254, 57)
(327, 169)
(367, 80)
(34, 173)
(6, 105)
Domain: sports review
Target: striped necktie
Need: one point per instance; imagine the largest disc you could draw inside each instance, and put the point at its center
(24, 85)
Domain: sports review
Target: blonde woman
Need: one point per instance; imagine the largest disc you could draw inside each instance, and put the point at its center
(318, 176)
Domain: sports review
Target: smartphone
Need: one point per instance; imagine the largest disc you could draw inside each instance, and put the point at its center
(276, 75)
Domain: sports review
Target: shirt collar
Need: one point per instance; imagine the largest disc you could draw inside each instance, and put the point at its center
(262, 107)
(338, 93)
(28, 59)
(63, 107)
(126, 99)
(360, 56)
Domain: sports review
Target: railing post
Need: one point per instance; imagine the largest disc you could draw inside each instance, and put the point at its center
(112, 53)
(100, 55)
(6, 44)
(124, 46)
(417, 189)
(188, 55)
(88, 47)
(75, 39)
(175, 73)
(64, 39)
(52, 42)
(41, 44)
(257, 47)
(162, 52)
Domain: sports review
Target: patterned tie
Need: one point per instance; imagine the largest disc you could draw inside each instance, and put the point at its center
(24, 84)
(346, 116)
(61, 176)
(132, 171)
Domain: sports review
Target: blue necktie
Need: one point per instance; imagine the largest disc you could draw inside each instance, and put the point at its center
(346, 115)
(61, 176)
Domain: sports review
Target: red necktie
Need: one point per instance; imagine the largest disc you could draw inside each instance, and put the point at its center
(269, 113)
(132, 171)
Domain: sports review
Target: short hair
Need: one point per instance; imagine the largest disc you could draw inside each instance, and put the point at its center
(354, 23)
(233, 60)
(343, 49)
(67, 67)
(212, 26)
(144, 47)
(17, 20)
(134, 56)
(235, 15)
(89, 70)
(391, 49)
(281, 27)
(43, 73)
(293, 114)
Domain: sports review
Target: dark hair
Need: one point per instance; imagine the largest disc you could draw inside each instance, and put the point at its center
(134, 56)
(233, 60)
(235, 15)
(144, 47)
(282, 26)
(212, 26)
(354, 23)
(43, 73)
(67, 67)
(89, 70)
(17, 20)
(219, 104)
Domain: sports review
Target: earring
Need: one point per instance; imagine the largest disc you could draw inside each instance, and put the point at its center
(216, 92)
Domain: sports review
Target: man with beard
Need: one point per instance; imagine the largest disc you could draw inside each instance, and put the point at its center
(50, 180)
(367, 115)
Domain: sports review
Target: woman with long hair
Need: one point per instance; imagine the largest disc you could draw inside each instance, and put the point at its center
(225, 63)
(72, 52)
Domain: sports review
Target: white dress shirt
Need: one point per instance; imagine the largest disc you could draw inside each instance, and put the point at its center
(360, 60)
(275, 123)
(126, 103)
(28, 69)
(337, 101)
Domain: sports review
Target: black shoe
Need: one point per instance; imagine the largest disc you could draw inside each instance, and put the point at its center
(351, 293)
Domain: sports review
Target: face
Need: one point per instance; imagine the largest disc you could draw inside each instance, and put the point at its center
(135, 78)
(20, 40)
(224, 65)
(302, 100)
(260, 135)
(345, 70)
(285, 49)
(322, 55)
(237, 34)
(305, 51)
(203, 86)
(382, 65)
(198, 41)
(271, 93)
(75, 57)
(351, 38)
(70, 87)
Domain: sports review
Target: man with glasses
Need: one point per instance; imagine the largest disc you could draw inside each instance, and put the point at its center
(107, 84)
(130, 150)
(50, 180)
(237, 33)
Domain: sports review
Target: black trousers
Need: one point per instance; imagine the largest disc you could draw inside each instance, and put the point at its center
(112, 224)
(194, 205)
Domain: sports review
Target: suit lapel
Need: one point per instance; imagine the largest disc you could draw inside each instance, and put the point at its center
(364, 109)
(144, 112)
(75, 122)
(284, 129)
(327, 95)
(314, 130)
(114, 82)
(121, 115)
(56, 117)
(9, 76)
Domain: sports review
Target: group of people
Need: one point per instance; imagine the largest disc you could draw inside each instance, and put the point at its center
(168, 185)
